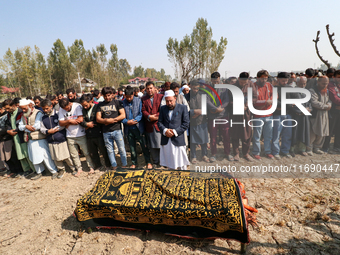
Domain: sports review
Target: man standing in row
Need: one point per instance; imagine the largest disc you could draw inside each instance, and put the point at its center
(134, 127)
(110, 113)
(173, 122)
(94, 134)
(319, 120)
(70, 116)
(30, 123)
(150, 109)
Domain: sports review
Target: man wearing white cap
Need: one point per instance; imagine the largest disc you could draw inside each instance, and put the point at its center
(173, 122)
(38, 151)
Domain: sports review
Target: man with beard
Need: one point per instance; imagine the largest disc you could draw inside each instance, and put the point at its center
(173, 122)
(334, 114)
(321, 104)
(150, 109)
(94, 134)
(301, 132)
(72, 95)
(56, 138)
(238, 132)
(38, 150)
(198, 125)
(13, 118)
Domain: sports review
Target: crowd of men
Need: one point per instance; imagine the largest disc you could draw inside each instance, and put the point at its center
(166, 122)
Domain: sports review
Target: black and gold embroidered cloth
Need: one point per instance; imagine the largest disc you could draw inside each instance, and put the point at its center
(173, 202)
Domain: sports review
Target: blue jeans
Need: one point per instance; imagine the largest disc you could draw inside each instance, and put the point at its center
(267, 134)
(284, 132)
(109, 138)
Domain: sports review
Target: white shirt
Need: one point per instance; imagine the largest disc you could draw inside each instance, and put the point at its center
(72, 130)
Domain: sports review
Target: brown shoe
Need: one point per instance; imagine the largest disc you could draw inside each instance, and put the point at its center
(206, 159)
(249, 158)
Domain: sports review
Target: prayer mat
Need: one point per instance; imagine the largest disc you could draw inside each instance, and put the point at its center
(172, 202)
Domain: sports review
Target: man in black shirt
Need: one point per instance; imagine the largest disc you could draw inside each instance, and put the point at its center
(110, 113)
(72, 95)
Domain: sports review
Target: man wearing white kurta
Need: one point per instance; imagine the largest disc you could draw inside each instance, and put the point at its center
(38, 151)
(173, 121)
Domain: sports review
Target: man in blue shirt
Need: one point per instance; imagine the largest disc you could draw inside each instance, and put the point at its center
(134, 126)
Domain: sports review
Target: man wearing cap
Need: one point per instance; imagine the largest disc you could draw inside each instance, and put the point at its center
(173, 122)
(38, 150)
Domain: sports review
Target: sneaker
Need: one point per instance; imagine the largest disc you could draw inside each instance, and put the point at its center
(55, 175)
(335, 151)
(230, 157)
(287, 155)
(28, 174)
(206, 159)
(277, 156)
(258, 157)
(249, 158)
(61, 174)
(293, 154)
(309, 153)
(3, 171)
(303, 153)
(36, 176)
(212, 159)
(270, 156)
(318, 151)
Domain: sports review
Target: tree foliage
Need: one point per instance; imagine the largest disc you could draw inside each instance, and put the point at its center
(196, 54)
(34, 74)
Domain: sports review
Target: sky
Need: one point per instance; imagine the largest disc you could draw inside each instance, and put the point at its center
(271, 35)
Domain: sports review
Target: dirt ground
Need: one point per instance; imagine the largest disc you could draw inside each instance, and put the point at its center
(295, 216)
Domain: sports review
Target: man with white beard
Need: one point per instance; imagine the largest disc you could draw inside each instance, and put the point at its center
(38, 150)
(173, 122)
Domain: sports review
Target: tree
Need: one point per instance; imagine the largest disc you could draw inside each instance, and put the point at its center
(61, 67)
(138, 71)
(331, 40)
(197, 54)
(77, 54)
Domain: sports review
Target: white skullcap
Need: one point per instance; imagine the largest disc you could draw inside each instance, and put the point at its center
(23, 102)
(185, 87)
(140, 94)
(169, 93)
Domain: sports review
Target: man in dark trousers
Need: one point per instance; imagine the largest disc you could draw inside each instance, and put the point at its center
(134, 127)
(94, 134)
(151, 103)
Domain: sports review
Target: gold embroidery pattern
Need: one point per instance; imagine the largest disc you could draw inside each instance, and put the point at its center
(172, 198)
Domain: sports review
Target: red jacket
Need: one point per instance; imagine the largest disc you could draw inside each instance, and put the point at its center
(147, 110)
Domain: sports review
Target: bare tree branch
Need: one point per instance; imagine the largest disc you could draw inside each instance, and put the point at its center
(317, 39)
(331, 40)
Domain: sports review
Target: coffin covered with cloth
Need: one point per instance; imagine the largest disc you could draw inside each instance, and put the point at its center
(172, 202)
